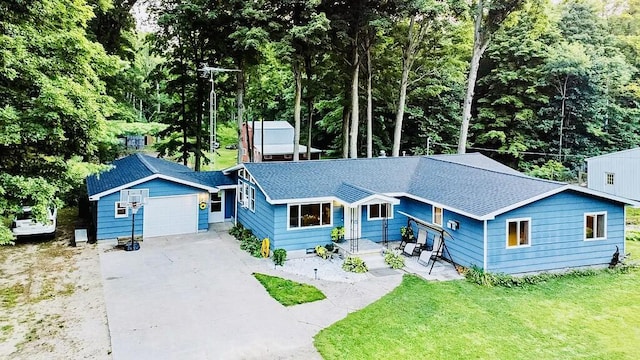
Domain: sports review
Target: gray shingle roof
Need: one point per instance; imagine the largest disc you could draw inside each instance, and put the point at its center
(139, 166)
(470, 183)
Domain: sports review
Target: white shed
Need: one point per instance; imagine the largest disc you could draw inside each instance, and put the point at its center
(616, 173)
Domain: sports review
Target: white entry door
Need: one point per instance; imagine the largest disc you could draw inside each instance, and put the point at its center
(170, 215)
(352, 223)
(216, 207)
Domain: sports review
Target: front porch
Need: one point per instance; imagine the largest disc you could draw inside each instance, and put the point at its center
(371, 253)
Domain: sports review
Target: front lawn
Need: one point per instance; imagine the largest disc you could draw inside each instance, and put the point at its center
(593, 317)
(288, 292)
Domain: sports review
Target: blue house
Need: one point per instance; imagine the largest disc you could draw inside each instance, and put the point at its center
(180, 200)
(491, 216)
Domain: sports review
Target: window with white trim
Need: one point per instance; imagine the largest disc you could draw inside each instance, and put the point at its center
(437, 215)
(121, 211)
(518, 232)
(380, 211)
(252, 198)
(240, 192)
(306, 215)
(609, 178)
(595, 226)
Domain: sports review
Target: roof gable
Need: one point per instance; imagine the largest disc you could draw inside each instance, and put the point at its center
(139, 168)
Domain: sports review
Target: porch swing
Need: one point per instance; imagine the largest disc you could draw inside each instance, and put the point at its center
(420, 247)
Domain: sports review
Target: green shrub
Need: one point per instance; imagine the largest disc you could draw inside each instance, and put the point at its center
(394, 259)
(483, 278)
(252, 245)
(236, 230)
(354, 264)
(323, 252)
(330, 247)
(279, 256)
(337, 233)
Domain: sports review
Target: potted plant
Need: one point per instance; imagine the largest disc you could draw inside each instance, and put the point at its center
(337, 234)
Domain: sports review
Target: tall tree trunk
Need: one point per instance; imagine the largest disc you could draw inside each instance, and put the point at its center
(297, 109)
(480, 43)
(183, 106)
(355, 114)
(310, 123)
(397, 131)
(369, 104)
(346, 114)
(240, 107)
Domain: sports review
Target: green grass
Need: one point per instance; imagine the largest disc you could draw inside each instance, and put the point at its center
(593, 317)
(288, 292)
(633, 216)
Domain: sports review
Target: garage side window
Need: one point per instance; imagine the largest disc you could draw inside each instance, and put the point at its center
(595, 226)
(518, 233)
(121, 211)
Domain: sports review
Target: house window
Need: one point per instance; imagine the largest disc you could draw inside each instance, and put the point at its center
(121, 210)
(252, 198)
(595, 226)
(609, 178)
(437, 215)
(380, 211)
(305, 215)
(518, 232)
(241, 173)
(240, 192)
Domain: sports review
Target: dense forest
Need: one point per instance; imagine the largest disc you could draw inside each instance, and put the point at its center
(536, 84)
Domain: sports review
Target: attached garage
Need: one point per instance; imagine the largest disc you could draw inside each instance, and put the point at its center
(178, 198)
(170, 215)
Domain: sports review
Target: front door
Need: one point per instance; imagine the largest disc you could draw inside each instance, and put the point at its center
(352, 223)
(216, 207)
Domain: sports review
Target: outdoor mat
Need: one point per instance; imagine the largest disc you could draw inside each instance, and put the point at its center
(383, 272)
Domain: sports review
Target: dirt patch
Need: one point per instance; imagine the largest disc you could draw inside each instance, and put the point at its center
(51, 300)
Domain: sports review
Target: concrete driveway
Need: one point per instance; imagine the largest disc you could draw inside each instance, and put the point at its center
(194, 297)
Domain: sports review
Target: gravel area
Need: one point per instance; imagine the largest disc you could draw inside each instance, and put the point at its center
(330, 270)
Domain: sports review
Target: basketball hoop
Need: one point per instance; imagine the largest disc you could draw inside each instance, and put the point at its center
(133, 199)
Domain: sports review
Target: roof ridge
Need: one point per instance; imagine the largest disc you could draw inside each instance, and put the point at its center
(519, 174)
(146, 163)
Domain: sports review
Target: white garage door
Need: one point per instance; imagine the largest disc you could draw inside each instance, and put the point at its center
(170, 215)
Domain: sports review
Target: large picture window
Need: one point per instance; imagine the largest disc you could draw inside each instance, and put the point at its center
(595, 225)
(305, 215)
(518, 232)
(380, 211)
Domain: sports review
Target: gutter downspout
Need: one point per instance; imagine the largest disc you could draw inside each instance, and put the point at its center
(485, 250)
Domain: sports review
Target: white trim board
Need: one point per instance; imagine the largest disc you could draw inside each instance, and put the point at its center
(97, 196)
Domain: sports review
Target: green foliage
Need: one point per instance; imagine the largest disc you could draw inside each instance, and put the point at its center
(551, 170)
(337, 233)
(279, 256)
(288, 292)
(394, 259)
(354, 264)
(236, 230)
(323, 252)
(252, 245)
(632, 215)
(633, 236)
(483, 278)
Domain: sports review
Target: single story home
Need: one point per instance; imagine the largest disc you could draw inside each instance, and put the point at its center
(491, 216)
(616, 173)
(179, 200)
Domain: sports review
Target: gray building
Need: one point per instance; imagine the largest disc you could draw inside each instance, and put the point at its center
(616, 173)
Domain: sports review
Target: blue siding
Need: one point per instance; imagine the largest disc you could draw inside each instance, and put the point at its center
(372, 229)
(260, 221)
(466, 247)
(110, 227)
(557, 235)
